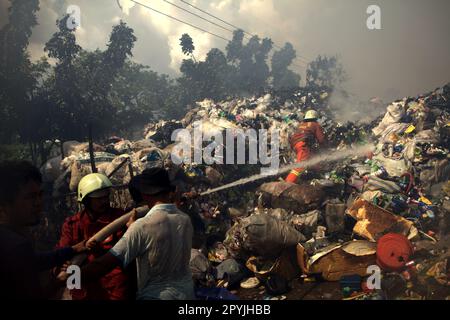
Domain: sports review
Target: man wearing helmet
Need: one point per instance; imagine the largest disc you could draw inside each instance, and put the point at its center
(160, 244)
(308, 133)
(93, 193)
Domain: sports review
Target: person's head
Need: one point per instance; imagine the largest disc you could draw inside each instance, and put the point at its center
(20, 194)
(155, 187)
(94, 191)
(154, 159)
(133, 188)
(311, 116)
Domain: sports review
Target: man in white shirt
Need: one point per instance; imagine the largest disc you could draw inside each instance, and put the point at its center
(160, 242)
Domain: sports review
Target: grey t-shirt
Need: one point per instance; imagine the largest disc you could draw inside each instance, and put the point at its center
(161, 244)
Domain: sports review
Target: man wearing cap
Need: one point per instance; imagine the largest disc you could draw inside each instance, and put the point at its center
(93, 193)
(308, 133)
(160, 243)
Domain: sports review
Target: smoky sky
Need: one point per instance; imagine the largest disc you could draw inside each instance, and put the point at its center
(408, 56)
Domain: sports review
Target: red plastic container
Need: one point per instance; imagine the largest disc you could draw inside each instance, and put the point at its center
(393, 252)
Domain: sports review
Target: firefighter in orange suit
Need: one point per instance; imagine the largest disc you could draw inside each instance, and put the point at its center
(308, 133)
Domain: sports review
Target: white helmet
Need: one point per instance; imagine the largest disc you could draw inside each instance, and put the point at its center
(311, 115)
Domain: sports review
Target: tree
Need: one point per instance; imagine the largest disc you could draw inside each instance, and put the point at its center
(187, 45)
(203, 79)
(66, 95)
(217, 72)
(37, 121)
(282, 77)
(140, 95)
(250, 61)
(235, 46)
(100, 112)
(120, 46)
(262, 70)
(210, 79)
(325, 72)
(16, 69)
(40, 102)
(83, 80)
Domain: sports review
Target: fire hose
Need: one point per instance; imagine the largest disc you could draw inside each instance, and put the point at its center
(110, 229)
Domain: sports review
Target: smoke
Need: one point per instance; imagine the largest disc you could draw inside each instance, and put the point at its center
(323, 158)
(409, 55)
(348, 108)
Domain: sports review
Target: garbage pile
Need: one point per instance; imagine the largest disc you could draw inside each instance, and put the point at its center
(377, 226)
(364, 217)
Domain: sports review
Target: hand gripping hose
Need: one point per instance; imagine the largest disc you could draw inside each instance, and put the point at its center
(110, 229)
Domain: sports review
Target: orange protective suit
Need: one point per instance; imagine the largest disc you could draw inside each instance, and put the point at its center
(307, 134)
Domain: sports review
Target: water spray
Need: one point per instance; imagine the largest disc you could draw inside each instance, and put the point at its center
(329, 157)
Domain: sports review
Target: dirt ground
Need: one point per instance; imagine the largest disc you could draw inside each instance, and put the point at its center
(299, 291)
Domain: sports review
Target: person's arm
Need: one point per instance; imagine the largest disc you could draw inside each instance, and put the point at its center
(93, 271)
(320, 135)
(66, 239)
(48, 260)
(294, 138)
(99, 267)
(122, 254)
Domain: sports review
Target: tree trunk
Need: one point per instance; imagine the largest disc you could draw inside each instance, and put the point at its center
(91, 150)
(61, 146)
(32, 153)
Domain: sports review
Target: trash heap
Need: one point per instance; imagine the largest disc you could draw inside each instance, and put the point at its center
(356, 218)
(383, 215)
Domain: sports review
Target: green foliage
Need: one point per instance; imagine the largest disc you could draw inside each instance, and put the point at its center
(14, 152)
(187, 44)
(84, 80)
(16, 70)
(282, 77)
(234, 47)
(325, 72)
(207, 79)
(242, 70)
(120, 45)
(140, 95)
(251, 62)
(40, 102)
